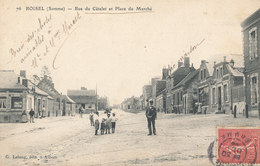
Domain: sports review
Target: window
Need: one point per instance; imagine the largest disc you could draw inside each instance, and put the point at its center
(16, 103)
(181, 96)
(225, 93)
(213, 95)
(204, 73)
(217, 73)
(253, 43)
(254, 93)
(2, 102)
(221, 72)
(201, 74)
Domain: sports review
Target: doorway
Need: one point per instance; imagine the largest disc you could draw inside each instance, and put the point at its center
(219, 98)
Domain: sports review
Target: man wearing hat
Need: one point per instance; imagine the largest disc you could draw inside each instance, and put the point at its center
(151, 115)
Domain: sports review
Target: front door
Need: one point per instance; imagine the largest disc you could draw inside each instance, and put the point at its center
(219, 98)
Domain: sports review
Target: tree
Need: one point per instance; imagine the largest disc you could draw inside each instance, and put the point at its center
(45, 72)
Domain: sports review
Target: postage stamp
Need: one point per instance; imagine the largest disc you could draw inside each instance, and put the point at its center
(239, 145)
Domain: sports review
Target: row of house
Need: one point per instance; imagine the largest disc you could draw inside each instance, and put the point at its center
(132, 103)
(19, 94)
(212, 88)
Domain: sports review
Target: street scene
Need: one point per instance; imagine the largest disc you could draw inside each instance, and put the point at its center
(127, 83)
(71, 140)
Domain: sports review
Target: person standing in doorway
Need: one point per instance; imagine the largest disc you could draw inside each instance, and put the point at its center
(31, 113)
(151, 115)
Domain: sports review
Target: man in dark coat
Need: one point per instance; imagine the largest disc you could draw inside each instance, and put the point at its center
(31, 113)
(151, 115)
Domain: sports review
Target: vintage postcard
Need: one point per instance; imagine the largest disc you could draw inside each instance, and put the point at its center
(129, 82)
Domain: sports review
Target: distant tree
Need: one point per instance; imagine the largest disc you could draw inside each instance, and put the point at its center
(45, 72)
(36, 79)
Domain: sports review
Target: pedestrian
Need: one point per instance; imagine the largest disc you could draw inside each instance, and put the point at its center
(24, 117)
(235, 111)
(81, 110)
(31, 113)
(91, 118)
(103, 126)
(113, 123)
(151, 115)
(96, 119)
(43, 112)
(108, 124)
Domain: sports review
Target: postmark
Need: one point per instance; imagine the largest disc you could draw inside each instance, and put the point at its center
(238, 145)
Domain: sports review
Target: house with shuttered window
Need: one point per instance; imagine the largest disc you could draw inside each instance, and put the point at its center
(251, 46)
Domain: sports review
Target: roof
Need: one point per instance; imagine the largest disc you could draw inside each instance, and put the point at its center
(83, 99)
(9, 80)
(40, 92)
(81, 93)
(187, 78)
(182, 70)
(68, 99)
(210, 68)
(235, 71)
(49, 97)
(251, 19)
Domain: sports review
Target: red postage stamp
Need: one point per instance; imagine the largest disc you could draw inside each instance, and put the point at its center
(239, 145)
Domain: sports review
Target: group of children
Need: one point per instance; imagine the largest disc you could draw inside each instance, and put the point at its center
(105, 123)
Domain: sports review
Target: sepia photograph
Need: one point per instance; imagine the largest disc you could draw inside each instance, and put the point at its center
(129, 82)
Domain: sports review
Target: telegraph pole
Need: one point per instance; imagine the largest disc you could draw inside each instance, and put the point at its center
(96, 100)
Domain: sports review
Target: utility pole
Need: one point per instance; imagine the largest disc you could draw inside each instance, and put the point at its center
(96, 100)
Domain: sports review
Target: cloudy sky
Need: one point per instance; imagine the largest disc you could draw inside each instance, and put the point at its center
(118, 52)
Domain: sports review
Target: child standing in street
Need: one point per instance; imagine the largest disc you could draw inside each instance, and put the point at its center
(103, 126)
(96, 120)
(108, 124)
(113, 122)
(91, 118)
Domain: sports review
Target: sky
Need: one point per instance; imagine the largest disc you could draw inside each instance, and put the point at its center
(118, 53)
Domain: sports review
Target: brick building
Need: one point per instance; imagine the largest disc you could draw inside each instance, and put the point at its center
(226, 78)
(251, 47)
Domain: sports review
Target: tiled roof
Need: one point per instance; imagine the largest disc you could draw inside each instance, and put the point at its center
(182, 71)
(68, 99)
(81, 93)
(251, 18)
(9, 80)
(40, 92)
(83, 99)
(187, 78)
(235, 71)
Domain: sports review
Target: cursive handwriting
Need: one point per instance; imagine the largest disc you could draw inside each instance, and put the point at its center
(33, 35)
(192, 48)
(41, 42)
(68, 30)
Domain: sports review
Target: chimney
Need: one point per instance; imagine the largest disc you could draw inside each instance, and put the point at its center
(225, 58)
(23, 73)
(186, 62)
(25, 82)
(19, 80)
(83, 88)
(203, 61)
(180, 64)
(165, 73)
